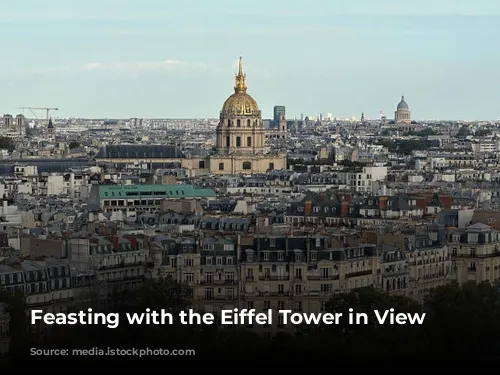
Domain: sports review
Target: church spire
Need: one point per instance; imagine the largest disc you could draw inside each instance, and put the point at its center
(240, 86)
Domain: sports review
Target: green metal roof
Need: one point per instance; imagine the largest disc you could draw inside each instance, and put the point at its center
(153, 191)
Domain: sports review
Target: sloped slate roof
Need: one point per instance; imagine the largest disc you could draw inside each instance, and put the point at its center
(140, 152)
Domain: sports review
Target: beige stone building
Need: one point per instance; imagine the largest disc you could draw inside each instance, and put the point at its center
(240, 147)
(475, 253)
(240, 138)
(299, 273)
(268, 273)
(402, 116)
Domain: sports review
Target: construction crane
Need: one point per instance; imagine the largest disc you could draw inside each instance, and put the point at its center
(32, 109)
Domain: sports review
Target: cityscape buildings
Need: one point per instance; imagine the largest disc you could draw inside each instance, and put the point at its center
(249, 212)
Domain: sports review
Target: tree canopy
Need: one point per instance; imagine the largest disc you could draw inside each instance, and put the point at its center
(460, 321)
(7, 144)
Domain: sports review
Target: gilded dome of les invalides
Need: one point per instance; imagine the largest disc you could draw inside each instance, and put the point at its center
(240, 103)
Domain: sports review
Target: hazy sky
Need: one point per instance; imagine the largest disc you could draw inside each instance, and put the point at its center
(176, 58)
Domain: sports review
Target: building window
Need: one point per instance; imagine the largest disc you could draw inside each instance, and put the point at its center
(228, 122)
(221, 166)
(238, 123)
(271, 166)
(201, 164)
(228, 142)
(249, 141)
(248, 123)
(247, 165)
(238, 141)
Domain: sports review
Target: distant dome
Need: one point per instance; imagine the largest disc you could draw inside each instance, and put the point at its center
(402, 104)
(240, 103)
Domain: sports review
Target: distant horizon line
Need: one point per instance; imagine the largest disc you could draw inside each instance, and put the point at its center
(347, 119)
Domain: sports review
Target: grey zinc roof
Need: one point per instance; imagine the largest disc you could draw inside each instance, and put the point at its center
(140, 152)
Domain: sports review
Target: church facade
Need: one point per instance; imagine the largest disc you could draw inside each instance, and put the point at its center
(402, 116)
(240, 136)
(240, 145)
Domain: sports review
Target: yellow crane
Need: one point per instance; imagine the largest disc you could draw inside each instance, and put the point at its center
(33, 109)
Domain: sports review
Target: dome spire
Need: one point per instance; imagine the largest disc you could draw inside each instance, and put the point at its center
(240, 86)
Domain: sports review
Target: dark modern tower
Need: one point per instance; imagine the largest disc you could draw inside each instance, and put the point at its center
(279, 112)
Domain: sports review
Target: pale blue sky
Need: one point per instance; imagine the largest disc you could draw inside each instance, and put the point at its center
(174, 58)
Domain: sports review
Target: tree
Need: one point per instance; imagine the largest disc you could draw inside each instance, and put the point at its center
(19, 324)
(7, 144)
(349, 340)
(74, 145)
(464, 319)
(463, 132)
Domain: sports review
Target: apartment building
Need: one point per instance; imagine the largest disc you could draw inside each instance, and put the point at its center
(298, 273)
(475, 253)
(117, 262)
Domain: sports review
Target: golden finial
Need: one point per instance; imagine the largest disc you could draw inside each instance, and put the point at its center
(240, 86)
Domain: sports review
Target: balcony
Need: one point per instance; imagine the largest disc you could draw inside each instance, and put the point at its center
(274, 278)
(326, 278)
(218, 282)
(218, 298)
(122, 265)
(267, 294)
(358, 274)
(395, 273)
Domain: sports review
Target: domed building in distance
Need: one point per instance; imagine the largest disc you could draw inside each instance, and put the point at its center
(402, 116)
(239, 147)
(240, 136)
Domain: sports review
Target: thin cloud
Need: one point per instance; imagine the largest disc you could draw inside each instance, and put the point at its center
(131, 67)
(124, 32)
(134, 66)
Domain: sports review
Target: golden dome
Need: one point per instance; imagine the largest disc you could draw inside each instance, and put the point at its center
(240, 103)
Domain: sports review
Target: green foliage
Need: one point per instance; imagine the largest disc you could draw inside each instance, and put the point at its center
(19, 324)
(423, 133)
(7, 144)
(483, 132)
(73, 145)
(460, 321)
(352, 339)
(352, 164)
(404, 146)
(467, 318)
(463, 132)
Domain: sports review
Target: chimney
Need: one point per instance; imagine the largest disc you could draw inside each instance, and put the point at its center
(307, 208)
(445, 200)
(344, 209)
(382, 203)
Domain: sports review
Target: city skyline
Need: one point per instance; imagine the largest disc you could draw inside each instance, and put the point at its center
(115, 59)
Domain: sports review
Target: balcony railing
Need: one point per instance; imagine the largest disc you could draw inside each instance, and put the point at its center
(218, 282)
(274, 278)
(122, 265)
(326, 278)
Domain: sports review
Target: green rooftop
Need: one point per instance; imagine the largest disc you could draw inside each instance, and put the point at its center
(153, 191)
